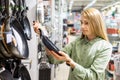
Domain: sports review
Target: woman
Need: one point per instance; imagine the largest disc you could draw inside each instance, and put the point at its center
(89, 54)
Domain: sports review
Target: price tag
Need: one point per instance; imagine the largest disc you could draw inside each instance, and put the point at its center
(8, 38)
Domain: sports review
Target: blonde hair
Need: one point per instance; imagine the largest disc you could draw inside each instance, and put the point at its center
(96, 22)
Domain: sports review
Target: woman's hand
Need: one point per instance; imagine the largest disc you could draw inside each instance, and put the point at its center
(36, 27)
(71, 63)
(63, 57)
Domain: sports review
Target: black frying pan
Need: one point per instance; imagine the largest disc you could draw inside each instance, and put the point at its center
(26, 27)
(3, 50)
(15, 42)
(21, 72)
(6, 75)
(18, 46)
(24, 73)
(22, 17)
(3, 53)
(21, 50)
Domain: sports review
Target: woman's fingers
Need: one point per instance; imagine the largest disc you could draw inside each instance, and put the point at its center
(51, 53)
(63, 56)
(48, 51)
(62, 53)
(59, 57)
(71, 63)
(36, 26)
(66, 55)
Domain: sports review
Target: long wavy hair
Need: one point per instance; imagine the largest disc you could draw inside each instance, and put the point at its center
(97, 25)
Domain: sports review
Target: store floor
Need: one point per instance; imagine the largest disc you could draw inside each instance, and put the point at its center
(62, 70)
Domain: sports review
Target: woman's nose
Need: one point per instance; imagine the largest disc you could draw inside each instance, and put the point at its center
(82, 26)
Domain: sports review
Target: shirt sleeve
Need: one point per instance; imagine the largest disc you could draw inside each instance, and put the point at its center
(96, 70)
(68, 49)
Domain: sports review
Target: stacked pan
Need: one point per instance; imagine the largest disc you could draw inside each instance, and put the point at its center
(14, 29)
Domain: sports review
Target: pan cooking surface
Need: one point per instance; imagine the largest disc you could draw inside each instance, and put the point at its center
(21, 41)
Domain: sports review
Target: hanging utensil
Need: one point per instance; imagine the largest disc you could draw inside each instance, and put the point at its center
(23, 19)
(3, 48)
(14, 39)
(26, 27)
(15, 43)
(21, 49)
(20, 71)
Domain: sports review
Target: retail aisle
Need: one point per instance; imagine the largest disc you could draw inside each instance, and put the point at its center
(62, 70)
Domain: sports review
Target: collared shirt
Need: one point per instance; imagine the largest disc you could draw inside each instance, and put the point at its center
(90, 57)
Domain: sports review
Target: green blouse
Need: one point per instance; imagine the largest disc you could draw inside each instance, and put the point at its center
(91, 58)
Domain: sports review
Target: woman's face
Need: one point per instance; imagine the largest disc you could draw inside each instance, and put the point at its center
(85, 26)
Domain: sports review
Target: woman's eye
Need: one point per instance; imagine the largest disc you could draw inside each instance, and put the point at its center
(86, 23)
(81, 22)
